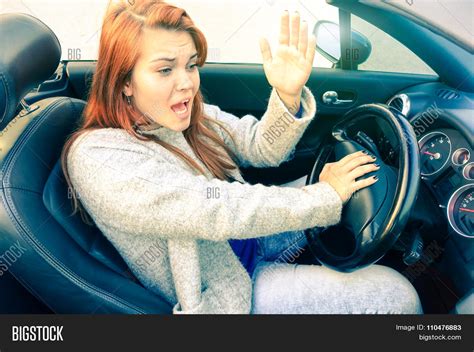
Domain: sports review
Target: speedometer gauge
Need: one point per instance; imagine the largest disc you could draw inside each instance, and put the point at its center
(435, 149)
(461, 211)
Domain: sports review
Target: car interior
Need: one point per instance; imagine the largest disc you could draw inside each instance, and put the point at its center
(53, 262)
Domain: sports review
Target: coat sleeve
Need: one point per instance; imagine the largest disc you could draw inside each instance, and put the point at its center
(130, 189)
(186, 276)
(270, 140)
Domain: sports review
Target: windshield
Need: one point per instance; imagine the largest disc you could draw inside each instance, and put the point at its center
(453, 17)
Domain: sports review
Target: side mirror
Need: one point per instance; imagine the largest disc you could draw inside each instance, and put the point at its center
(328, 43)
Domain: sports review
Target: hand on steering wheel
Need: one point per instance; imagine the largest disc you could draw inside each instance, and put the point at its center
(342, 174)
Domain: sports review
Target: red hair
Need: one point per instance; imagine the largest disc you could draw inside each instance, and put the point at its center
(107, 106)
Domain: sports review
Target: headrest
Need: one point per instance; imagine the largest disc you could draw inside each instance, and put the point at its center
(29, 54)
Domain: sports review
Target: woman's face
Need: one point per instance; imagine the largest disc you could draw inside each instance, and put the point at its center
(165, 78)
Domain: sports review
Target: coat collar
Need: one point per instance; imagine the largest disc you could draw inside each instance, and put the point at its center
(165, 134)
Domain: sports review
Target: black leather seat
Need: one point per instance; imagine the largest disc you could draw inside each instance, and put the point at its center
(68, 265)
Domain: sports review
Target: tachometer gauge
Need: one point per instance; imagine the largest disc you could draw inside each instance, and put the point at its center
(435, 149)
(461, 211)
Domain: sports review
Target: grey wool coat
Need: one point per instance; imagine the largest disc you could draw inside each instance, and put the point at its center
(147, 200)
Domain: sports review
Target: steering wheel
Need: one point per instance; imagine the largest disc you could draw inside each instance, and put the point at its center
(374, 217)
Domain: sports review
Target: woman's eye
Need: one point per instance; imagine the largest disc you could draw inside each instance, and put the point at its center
(165, 71)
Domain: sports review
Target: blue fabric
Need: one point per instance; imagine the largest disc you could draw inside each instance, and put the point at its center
(246, 251)
(300, 112)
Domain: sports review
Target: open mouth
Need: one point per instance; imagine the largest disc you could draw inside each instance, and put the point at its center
(181, 108)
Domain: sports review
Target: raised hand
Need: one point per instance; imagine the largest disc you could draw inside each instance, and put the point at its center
(289, 68)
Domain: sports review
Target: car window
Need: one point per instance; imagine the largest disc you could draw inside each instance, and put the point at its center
(232, 27)
(388, 54)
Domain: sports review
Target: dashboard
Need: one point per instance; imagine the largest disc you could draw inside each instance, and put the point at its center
(443, 121)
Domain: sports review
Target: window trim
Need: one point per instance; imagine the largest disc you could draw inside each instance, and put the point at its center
(346, 61)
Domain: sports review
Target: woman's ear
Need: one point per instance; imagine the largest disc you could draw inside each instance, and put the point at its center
(127, 89)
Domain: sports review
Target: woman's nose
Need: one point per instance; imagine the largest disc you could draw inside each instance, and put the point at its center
(184, 82)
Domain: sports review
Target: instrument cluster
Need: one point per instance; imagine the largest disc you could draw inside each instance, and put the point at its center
(447, 164)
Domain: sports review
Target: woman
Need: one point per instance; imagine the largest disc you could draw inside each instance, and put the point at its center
(152, 166)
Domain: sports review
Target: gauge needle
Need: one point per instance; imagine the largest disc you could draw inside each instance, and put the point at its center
(436, 156)
(468, 210)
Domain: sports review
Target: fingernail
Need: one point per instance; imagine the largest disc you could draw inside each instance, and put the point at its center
(373, 157)
(375, 177)
(365, 152)
(376, 164)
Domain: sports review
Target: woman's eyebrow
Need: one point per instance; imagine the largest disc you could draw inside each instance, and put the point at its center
(171, 59)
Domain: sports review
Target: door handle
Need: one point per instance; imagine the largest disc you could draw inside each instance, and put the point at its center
(331, 98)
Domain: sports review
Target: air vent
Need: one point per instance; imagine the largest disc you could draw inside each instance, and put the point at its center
(447, 94)
(397, 103)
(400, 102)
